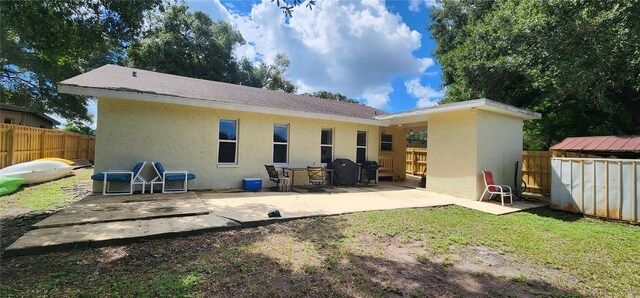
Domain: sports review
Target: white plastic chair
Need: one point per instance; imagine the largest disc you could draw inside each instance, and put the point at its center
(134, 179)
(495, 189)
(162, 175)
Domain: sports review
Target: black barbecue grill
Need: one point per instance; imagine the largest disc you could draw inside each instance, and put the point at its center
(370, 169)
(345, 170)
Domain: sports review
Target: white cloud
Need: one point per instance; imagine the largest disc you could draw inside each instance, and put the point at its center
(353, 47)
(426, 95)
(415, 5)
(377, 96)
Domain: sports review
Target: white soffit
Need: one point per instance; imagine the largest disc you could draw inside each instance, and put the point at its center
(421, 115)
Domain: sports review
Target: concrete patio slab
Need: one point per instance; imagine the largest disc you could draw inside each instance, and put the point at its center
(148, 197)
(496, 208)
(107, 212)
(100, 220)
(100, 234)
(252, 208)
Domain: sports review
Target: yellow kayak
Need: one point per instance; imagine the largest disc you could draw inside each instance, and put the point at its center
(57, 159)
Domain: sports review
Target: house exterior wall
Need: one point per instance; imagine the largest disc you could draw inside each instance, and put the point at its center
(499, 147)
(185, 137)
(463, 144)
(399, 150)
(452, 159)
(26, 119)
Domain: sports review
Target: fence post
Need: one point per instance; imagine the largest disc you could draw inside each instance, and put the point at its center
(64, 145)
(43, 143)
(414, 161)
(79, 139)
(11, 147)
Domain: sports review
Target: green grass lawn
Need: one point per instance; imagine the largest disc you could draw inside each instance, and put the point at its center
(46, 196)
(447, 251)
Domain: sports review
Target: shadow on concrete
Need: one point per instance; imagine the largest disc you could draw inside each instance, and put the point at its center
(14, 227)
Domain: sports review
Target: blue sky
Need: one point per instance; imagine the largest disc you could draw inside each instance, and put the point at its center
(376, 51)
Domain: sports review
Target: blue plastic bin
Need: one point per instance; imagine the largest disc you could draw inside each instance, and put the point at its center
(251, 184)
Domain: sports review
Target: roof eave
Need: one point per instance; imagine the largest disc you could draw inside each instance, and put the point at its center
(482, 104)
(159, 98)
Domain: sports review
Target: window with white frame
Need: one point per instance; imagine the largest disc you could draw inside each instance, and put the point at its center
(361, 147)
(326, 145)
(386, 142)
(228, 141)
(280, 143)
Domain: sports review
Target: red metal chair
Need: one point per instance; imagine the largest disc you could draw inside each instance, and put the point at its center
(495, 189)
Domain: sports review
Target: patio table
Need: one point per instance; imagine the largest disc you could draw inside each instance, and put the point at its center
(293, 171)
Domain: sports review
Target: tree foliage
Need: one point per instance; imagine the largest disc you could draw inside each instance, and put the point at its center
(190, 44)
(44, 42)
(575, 61)
(288, 6)
(271, 76)
(332, 96)
(79, 127)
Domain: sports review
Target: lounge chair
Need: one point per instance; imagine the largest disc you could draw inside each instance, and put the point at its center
(316, 177)
(495, 189)
(132, 177)
(282, 182)
(164, 176)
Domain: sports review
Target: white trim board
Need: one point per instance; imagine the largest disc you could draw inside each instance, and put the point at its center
(420, 115)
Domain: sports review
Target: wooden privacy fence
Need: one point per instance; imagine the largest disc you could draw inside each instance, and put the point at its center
(23, 143)
(416, 160)
(536, 169)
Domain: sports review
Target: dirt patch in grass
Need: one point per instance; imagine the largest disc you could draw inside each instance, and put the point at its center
(311, 257)
(470, 271)
(448, 251)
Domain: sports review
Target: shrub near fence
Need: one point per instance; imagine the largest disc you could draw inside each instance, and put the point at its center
(23, 143)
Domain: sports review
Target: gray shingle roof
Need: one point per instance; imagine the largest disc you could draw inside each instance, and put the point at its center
(118, 78)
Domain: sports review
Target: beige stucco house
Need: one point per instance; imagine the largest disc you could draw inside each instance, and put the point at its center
(225, 132)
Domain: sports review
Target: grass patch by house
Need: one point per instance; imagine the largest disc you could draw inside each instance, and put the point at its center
(50, 195)
(604, 256)
(448, 251)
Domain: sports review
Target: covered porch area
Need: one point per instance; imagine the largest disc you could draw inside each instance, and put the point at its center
(463, 140)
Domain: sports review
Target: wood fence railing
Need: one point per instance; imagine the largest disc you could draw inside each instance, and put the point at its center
(416, 160)
(23, 143)
(536, 167)
(536, 171)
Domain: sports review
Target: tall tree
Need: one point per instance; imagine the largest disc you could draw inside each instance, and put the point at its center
(271, 76)
(187, 43)
(575, 61)
(190, 44)
(44, 42)
(332, 96)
